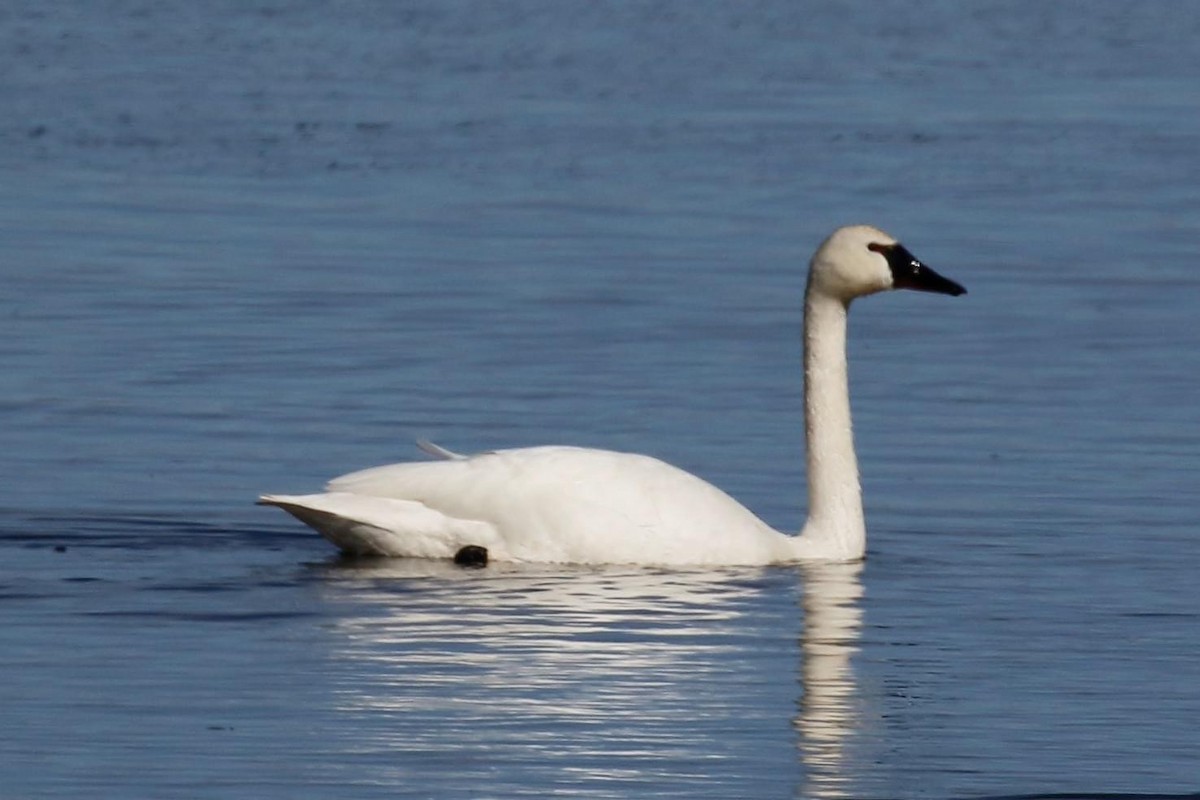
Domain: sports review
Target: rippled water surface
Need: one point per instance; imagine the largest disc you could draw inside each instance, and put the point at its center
(246, 247)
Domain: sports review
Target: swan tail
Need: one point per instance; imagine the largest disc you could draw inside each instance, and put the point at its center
(381, 526)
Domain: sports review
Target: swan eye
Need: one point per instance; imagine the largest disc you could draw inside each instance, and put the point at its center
(901, 262)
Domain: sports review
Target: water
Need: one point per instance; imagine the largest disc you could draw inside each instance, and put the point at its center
(251, 246)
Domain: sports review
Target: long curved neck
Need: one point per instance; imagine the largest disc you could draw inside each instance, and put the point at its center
(835, 527)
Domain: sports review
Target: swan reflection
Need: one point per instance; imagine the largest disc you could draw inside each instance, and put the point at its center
(829, 705)
(553, 674)
(523, 630)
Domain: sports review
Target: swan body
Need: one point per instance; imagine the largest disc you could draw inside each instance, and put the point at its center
(588, 506)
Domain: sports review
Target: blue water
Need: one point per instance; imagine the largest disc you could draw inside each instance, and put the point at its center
(250, 246)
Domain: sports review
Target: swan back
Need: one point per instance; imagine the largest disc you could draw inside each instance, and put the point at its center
(575, 505)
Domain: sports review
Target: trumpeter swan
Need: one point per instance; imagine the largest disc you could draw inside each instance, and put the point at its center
(585, 506)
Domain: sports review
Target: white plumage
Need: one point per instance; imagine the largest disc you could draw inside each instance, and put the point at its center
(587, 506)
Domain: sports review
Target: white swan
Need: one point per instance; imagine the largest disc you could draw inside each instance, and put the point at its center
(583, 506)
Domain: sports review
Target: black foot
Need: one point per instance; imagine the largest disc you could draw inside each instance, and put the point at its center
(471, 556)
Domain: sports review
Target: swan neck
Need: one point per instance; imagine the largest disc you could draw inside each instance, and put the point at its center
(835, 517)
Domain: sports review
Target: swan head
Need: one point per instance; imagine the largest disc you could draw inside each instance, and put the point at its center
(859, 260)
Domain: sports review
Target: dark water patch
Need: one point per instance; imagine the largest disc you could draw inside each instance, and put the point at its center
(198, 588)
(167, 616)
(26, 594)
(140, 532)
(1092, 796)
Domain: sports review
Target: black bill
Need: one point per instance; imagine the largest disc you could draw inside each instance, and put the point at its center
(909, 273)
